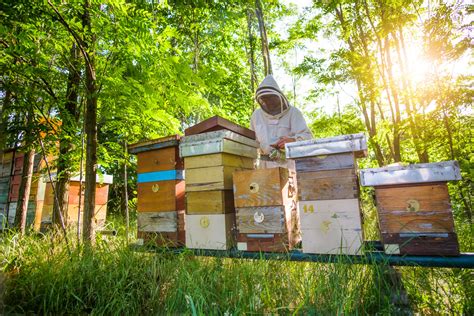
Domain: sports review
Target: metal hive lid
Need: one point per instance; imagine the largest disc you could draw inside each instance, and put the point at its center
(356, 143)
(416, 173)
(216, 136)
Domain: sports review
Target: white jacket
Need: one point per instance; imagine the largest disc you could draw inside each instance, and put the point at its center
(269, 129)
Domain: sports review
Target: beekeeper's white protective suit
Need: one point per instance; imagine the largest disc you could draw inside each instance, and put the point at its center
(274, 121)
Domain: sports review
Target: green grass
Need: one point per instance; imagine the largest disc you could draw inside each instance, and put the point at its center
(43, 278)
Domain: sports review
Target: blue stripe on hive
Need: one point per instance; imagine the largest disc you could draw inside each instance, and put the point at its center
(160, 176)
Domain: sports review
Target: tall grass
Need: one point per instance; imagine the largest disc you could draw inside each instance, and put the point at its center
(42, 277)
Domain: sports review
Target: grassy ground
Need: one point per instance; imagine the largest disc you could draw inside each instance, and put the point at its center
(42, 277)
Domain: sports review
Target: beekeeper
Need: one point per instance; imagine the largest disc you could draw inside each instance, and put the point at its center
(276, 123)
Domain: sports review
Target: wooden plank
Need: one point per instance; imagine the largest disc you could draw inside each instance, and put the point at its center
(428, 197)
(326, 162)
(312, 188)
(210, 202)
(332, 241)
(262, 187)
(221, 159)
(326, 214)
(264, 242)
(421, 222)
(210, 178)
(210, 231)
(162, 196)
(159, 160)
(218, 123)
(433, 244)
(261, 220)
(163, 142)
(157, 222)
(217, 146)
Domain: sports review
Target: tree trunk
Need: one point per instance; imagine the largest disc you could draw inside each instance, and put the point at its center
(90, 128)
(263, 36)
(125, 191)
(25, 187)
(69, 117)
(253, 76)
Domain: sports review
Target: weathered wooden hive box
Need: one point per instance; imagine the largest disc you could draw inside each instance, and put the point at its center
(413, 205)
(328, 193)
(160, 188)
(211, 154)
(266, 214)
(11, 172)
(75, 201)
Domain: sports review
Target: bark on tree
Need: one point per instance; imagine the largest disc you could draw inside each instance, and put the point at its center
(251, 53)
(90, 127)
(69, 118)
(125, 191)
(25, 188)
(263, 36)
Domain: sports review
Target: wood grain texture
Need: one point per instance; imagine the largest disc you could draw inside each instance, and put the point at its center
(264, 242)
(210, 202)
(210, 231)
(221, 159)
(157, 222)
(330, 214)
(261, 187)
(161, 196)
(423, 208)
(332, 241)
(261, 220)
(159, 160)
(216, 123)
(423, 245)
(329, 162)
(327, 185)
(209, 179)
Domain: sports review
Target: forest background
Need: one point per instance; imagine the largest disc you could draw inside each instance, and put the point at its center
(94, 76)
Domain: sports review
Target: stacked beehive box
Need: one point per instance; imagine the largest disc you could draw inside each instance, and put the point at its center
(10, 180)
(266, 210)
(160, 191)
(71, 207)
(210, 159)
(414, 212)
(328, 193)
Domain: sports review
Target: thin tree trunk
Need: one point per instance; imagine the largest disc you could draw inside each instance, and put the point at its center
(69, 117)
(263, 36)
(253, 76)
(90, 129)
(25, 188)
(7, 100)
(125, 191)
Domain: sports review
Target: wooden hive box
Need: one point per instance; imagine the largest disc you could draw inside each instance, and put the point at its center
(71, 211)
(414, 212)
(216, 123)
(265, 213)
(210, 231)
(210, 159)
(328, 192)
(160, 188)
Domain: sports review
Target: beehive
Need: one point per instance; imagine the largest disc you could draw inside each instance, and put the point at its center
(160, 191)
(75, 201)
(266, 210)
(328, 193)
(11, 172)
(413, 206)
(210, 160)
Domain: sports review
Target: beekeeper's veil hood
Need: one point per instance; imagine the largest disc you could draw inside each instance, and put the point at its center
(271, 99)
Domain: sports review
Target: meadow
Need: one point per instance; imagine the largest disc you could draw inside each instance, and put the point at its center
(42, 277)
